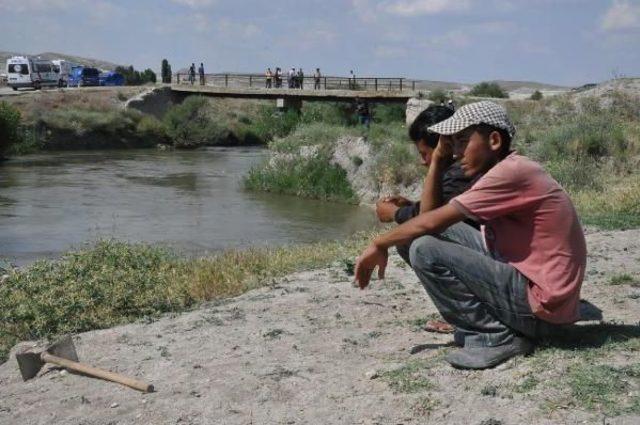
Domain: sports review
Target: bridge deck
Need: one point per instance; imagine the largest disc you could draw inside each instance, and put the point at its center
(302, 94)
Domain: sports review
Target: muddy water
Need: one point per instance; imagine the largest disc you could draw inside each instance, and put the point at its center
(192, 201)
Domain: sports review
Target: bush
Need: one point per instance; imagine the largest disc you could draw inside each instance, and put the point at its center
(486, 89)
(536, 95)
(330, 113)
(438, 96)
(9, 127)
(313, 177)
(269, 124)
(189, 126)
(586, 135)
(385, 113)
(84, 129)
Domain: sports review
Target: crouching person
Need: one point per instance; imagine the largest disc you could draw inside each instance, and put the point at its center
(517, 278)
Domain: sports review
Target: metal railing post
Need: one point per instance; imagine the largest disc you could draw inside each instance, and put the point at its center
(413, 85)
(325, 83)
(400, 84)
(376, 83)
(178, 77)
(226, 80)
(250, 80)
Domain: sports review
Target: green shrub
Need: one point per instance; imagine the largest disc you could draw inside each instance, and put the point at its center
(586, 135)
(536, 95)
(575, 174)
(310, 135)
(328, 113)
(151, 128)
(189, 126)
(438, 96)
(9, 127)
(487, 89)
(385, 113)
(271, 123)
(312, 177)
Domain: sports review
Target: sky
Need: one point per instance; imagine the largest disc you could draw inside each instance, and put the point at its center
(565, 42)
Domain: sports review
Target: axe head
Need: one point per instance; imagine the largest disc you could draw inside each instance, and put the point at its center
(30, 362)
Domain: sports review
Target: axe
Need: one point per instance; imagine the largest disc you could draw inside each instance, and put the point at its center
(63, 353)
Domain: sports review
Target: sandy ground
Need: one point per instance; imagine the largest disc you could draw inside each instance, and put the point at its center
(310, 349)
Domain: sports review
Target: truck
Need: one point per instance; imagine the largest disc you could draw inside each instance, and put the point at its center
(25, 71)
(63, 68)
(84, 76)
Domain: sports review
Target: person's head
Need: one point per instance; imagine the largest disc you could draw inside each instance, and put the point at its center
(481, 133)
(201, 64)
(425, 140)
(318, 69)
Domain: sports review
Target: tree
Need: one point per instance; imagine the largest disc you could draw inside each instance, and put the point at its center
(486, 89)
(136, 78)
(148, 76)
(165, 71)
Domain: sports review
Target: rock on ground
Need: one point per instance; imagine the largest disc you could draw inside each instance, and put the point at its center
(309, 349)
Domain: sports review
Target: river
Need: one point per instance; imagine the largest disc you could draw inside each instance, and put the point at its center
(192, 201)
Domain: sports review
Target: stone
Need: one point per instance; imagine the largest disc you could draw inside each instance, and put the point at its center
(372, 374)
(414, 107)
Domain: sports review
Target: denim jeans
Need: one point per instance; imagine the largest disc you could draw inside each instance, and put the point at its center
(483, 297)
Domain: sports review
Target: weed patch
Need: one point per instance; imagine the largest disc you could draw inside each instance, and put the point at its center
(410, 378)
(116, 282)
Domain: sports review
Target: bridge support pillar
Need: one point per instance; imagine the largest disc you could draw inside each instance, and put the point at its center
(289, 103)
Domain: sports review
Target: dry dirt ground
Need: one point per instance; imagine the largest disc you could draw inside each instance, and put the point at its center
(312, 349)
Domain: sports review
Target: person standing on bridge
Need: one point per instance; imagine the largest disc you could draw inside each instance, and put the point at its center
(291, 77)
(201, 73)
(352, 80)
(192, 73)
(268, 76)
(300, 78)
(316, 79)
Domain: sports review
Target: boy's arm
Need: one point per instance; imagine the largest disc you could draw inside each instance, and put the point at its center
(431, 197)
(427, 223)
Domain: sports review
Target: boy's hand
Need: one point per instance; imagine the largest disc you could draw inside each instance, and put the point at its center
(443, 154)
(386, 210)
(397, 200)
(366, 263)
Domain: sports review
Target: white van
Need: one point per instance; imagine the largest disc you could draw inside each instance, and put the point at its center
(63, 69)
(23, 71)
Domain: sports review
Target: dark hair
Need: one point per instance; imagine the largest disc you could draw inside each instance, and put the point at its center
(485, 130)
(430, 116)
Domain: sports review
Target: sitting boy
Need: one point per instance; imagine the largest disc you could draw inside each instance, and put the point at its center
(522, 274)
(440, 185)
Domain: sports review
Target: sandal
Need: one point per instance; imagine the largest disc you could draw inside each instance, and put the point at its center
(438, 326)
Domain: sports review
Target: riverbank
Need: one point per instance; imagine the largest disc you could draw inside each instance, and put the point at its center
(72, 119)
(308, 347)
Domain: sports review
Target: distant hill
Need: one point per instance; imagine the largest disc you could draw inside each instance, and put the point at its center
(94, 63)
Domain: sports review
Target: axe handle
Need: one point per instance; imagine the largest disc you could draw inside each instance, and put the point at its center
(98, 373)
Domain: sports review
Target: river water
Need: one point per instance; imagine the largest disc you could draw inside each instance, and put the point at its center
(190, 200)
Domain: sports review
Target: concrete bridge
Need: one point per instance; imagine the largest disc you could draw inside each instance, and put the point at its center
(254, 86)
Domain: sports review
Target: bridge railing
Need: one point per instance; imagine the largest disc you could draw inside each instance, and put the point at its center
(258, 81)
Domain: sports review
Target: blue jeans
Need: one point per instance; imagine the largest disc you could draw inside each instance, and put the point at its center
(483, 297)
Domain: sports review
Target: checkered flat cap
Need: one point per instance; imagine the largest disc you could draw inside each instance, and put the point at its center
(484, 112)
